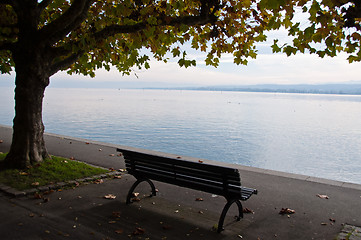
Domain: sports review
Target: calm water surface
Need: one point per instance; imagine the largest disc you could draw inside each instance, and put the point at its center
(316, 135)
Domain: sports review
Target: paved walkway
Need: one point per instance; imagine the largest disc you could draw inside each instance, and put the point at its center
(84, 213)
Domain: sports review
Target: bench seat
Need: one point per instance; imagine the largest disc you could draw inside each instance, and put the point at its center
(214, 179)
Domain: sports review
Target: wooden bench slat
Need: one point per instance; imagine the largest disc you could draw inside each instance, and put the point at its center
(153, 173)
(161, 159)
(233, 177)
(196, 174)
(212, 171)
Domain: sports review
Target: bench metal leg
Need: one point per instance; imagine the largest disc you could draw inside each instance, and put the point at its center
(131, 190)
(225, 210)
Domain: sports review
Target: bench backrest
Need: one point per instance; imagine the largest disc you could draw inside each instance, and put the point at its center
(214, 179)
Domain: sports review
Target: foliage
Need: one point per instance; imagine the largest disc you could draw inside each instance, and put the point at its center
(84, 35)
(333, 26)
(52, 170)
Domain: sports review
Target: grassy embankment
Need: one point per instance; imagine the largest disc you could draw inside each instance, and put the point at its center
(51, 171)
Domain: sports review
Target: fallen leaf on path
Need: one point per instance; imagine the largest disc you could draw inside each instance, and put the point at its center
(332, 220)
(111, 155)
(38, 196)
(116, 214)
(138, 231)
(31, 214)
(118, 176)
(119, 231)
(72, 158)
(323, 224)
(199, 199)
(35, 184)
(135, 194)
(23, 173)
(286, 211)
(322, 196)
(87, 143)
(247, 210)
(166, 227)
(136, 199)
(98, 181)
(110, 196)
(200, 161)
(1, 141)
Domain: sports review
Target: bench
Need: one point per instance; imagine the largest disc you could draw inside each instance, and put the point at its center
(214, 179)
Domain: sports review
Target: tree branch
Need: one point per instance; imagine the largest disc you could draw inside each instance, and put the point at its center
(5, 45)
(43, 4)
(351, 13)
(65, 63)
(68, 21)
(118, 29)
(7, 2)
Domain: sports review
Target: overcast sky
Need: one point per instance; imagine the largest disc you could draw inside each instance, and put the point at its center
(268, 68)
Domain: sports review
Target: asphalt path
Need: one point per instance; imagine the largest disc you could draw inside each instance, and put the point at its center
(83, 212)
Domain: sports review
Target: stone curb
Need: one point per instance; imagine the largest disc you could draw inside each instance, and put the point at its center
(21, 193)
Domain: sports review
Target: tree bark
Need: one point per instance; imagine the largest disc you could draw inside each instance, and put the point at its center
(28, 146)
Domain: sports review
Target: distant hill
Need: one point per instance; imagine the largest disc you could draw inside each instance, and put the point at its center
(353, 89)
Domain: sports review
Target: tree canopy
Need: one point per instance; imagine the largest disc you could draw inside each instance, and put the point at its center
(84, 35)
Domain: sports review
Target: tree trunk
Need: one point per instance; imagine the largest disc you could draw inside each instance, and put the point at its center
(28, 146)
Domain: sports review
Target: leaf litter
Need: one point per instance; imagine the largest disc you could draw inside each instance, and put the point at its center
(138, 231)
(287, 211)
(247, 210)
(110, 196)
(322, 196)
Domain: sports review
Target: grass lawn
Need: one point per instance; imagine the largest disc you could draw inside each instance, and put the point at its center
(51, 171)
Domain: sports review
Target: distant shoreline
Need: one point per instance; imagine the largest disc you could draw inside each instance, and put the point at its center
(338, 89)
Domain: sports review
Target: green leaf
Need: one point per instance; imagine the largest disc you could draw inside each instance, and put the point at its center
(272, 4)
(309, 32)
(275, 47)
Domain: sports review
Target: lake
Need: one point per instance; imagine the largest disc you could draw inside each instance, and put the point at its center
(315, 135)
